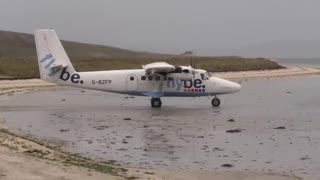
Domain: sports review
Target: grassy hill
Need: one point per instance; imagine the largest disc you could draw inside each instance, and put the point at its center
(18, 58)
(22, 46)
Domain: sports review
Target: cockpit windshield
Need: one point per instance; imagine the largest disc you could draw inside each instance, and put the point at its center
(205, 76)
(208, 74)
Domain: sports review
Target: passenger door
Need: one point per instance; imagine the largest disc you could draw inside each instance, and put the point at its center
(132, 83)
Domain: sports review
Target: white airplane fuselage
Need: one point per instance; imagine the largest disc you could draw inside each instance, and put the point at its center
(136, 82)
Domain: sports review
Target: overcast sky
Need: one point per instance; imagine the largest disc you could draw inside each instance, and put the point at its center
(168, 26)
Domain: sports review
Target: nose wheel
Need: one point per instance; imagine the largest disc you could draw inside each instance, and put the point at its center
(156, 102)
(215, 102)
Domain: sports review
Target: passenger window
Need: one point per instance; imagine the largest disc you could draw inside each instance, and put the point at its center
(150, 78)
(157, 78)
(131, 78)
(143, 78)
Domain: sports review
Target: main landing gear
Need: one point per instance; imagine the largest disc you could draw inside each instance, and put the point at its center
(156, 102)
(215, 102)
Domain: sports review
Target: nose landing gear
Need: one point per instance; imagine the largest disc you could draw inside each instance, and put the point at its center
(215, 102)
(156, 102)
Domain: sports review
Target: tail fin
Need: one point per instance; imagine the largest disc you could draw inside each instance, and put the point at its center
(52, 57)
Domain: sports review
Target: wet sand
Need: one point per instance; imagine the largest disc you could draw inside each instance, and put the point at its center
(274, 135)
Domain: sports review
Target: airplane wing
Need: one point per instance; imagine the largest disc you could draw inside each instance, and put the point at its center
(158, 67)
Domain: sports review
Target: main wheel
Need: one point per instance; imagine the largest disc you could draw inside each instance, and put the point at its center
(156, 102)
(215, 102)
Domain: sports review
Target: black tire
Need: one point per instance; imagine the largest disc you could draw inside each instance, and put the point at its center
(156, 102)
(215, 102)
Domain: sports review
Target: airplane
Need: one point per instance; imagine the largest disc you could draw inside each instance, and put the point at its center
(155, 80)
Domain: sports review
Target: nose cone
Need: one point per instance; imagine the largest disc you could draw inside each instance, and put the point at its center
(228, 87)
(222, 86)
(235, 87)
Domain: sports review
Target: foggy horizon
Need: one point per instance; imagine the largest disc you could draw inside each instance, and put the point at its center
(205, 27)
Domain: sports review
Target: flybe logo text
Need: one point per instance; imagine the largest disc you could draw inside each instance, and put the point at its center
(65, 76)
(179, 84)
(49, 59)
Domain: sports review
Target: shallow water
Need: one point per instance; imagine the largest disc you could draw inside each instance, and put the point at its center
(186, 133)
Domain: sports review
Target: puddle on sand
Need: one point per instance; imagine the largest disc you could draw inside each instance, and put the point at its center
(186, 133)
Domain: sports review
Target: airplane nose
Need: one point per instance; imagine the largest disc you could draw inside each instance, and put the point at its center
(226, 87)
(236, 87)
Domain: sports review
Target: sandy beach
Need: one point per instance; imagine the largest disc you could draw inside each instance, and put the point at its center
(269, 74)
(16, 161)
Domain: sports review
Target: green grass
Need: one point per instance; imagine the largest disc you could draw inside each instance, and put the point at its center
(99, 167)
(29, 68)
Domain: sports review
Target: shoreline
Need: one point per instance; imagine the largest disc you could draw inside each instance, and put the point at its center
(34, 159)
